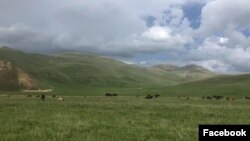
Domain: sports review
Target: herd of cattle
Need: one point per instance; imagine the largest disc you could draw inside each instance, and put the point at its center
(216, 97)
(152, 96)
(111, 94)
(146, 97)
(149, 96)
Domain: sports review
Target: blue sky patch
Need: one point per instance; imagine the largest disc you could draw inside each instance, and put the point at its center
(149, 20)
(192, 12)
(246, 32)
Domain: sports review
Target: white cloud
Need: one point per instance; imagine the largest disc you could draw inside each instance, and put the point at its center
(218, 15)
(237, 39)
(103, 26)
(143, 62)
(224, 47)
(158, 33)
(219, 57)
(165, 37)
(213, 65)
(223, 40)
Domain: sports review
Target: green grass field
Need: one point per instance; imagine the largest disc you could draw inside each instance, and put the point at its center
(87, 115)
(122, 118)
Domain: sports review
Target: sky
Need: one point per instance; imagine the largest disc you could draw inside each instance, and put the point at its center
(210, 33)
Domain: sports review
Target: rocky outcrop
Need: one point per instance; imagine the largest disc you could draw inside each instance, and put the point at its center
(13, 78)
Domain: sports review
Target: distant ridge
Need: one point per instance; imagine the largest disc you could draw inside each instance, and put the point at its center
(166, 67)
(190, 67)
(193, 67)
(224, 85)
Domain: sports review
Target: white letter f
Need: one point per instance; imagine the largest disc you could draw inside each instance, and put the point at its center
(205, 131)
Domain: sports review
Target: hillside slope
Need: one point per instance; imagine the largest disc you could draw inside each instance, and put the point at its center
(12, 78)
(79, 71)
(224, 85)
(190, 72)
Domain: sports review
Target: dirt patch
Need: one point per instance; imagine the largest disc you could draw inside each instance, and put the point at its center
(25, 80)
(37, 91)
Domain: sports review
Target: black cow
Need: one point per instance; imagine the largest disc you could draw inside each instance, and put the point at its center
(149, 96)
(209, 97)
(157, 95)
(247, 97)
(42, 97)
(108, 94)
(217, 97)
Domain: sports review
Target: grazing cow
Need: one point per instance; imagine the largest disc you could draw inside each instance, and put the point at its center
(209, 97)
(114, 94)
(149, 96)
(247, 97)
(108, 94)
(42, 97)
(60, 99)
(157, 95)
(217, 97)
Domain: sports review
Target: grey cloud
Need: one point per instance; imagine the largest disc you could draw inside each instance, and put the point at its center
(23, 37)
(217, 56)
(105, 26)
(118, 28)
(218, 15)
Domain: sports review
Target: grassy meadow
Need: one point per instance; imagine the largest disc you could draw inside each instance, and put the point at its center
(87, 115)
(122, 118)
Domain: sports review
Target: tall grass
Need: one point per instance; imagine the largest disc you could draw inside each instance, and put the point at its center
(122, 118)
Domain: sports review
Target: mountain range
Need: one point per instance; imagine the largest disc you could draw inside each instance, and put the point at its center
(43, 71)
(66, 72)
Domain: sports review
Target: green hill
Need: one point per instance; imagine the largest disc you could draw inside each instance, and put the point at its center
(224, 85)
(88, 74)
(166, 67)
(76, 71)
(190, 72)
